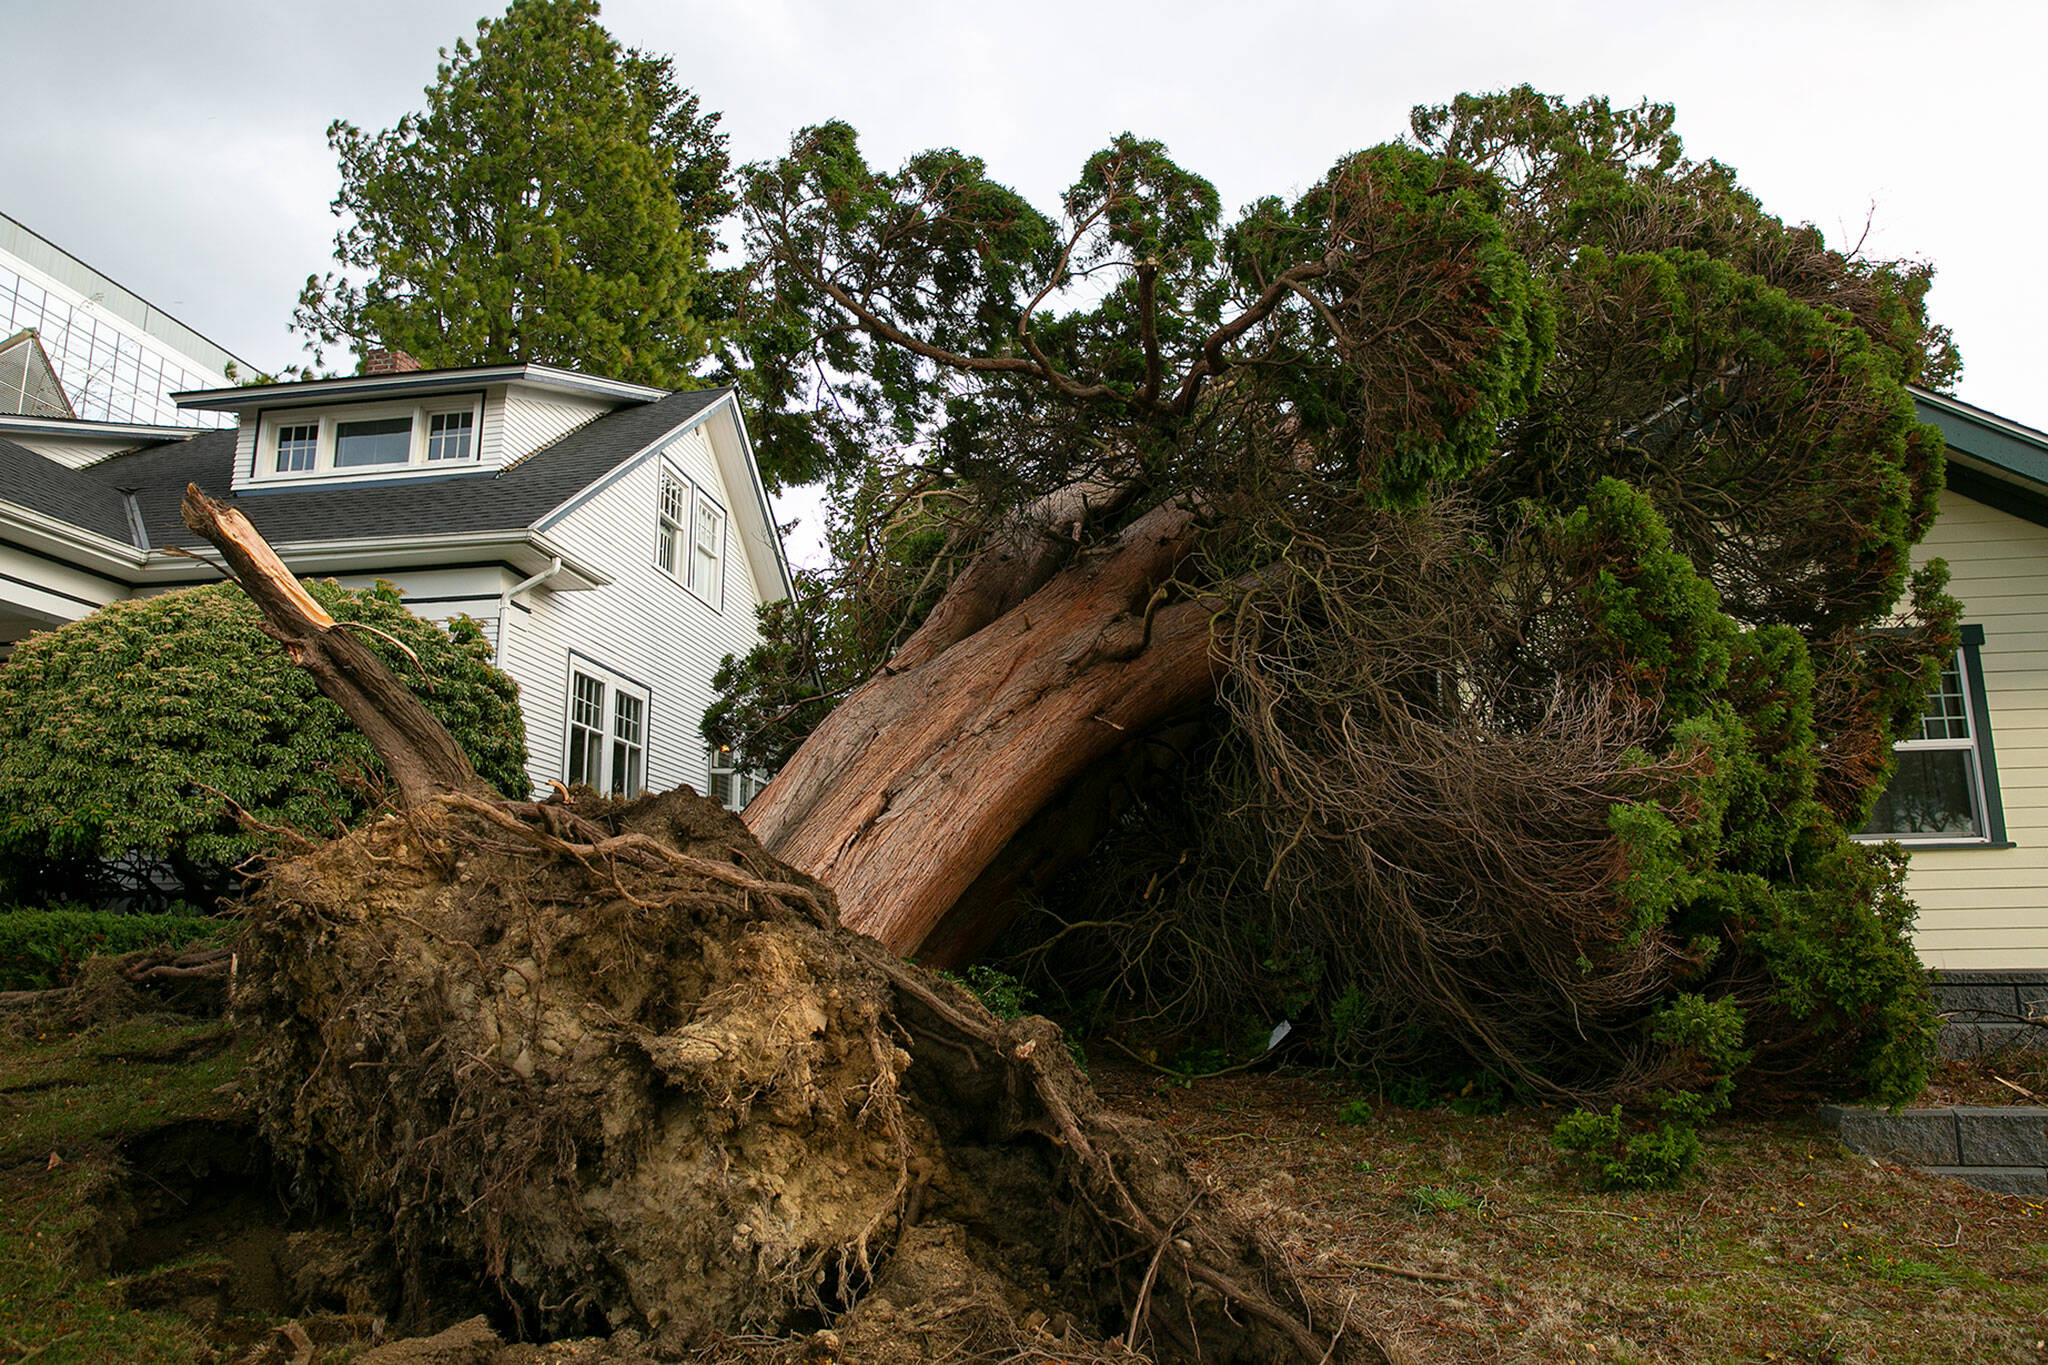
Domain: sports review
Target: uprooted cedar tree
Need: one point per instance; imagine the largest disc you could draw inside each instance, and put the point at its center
(615, 1061)
(1467, 605)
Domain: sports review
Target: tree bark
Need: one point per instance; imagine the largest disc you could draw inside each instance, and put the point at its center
(422, 758)
(920, 779)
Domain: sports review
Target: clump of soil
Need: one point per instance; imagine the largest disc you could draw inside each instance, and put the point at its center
(626, 1067)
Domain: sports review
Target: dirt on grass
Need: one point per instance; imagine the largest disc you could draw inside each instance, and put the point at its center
(622, 1068)
(1465, 1238)
(472, 1114)
(165, 1233)
(2018, 1076)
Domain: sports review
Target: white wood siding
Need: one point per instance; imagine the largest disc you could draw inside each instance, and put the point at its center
(245, 454)
(442, 594)
(526, 420)
(644, 626)
(1987, 907)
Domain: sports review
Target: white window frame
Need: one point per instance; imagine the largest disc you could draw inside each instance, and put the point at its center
(1986, 813)
(672, 533)
(327, 420)
(698, 567)
(615, 750)
(730, 786)
(468, 431)
(707, 551)
(299, 441)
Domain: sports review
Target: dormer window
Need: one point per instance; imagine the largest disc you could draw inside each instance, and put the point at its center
(369, 438)
(297, 448)
(383, 441)
(448, 435)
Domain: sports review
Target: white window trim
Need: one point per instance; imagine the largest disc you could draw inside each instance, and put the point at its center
(420, 412)
(1969, 684)
(680, 544)
(742, 784)
(684, 572)
(613, 685)
(713, 594)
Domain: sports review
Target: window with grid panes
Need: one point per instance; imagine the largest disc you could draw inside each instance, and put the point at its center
(608, 730)
(671, 517)
(629, 740)
(706, 566)
(1940, 790)
(730, 786)
(448, 435)
(586, 729)
(297, 447)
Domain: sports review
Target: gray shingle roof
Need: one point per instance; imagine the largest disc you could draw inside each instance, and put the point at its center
(37, 482)
(509, 500)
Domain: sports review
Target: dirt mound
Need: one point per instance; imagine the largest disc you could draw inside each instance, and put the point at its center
(624, 1065)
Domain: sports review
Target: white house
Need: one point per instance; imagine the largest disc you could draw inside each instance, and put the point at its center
(614, 539)
(1969, 799)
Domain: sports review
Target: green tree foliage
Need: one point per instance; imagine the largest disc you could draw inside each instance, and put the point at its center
(555, 202)
(1558, 502)
(133, 735)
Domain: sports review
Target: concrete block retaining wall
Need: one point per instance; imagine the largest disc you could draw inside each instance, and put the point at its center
(1995, 1147)
(1986, 1011)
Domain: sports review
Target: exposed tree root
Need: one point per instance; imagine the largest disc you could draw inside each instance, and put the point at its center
(618, 1061)
(624, 1065)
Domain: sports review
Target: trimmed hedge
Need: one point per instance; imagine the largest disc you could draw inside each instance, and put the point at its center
(43, 948)
(128, 740)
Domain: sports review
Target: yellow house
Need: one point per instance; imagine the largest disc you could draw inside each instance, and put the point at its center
(1970, 798)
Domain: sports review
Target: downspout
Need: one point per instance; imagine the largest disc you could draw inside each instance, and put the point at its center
(505, 602)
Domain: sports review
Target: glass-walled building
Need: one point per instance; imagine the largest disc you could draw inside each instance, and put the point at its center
(119, 357)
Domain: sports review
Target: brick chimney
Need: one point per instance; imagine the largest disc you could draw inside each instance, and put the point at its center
(388, 362)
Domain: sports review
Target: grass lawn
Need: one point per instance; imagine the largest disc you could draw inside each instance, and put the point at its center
(1464, 1238)
(68, 1101)
(1460, 1237)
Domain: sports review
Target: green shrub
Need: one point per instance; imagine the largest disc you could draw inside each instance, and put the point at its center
(1705, 1036)
(1003, 994)
(125, 737)
(1611, 1159)
(43, 948)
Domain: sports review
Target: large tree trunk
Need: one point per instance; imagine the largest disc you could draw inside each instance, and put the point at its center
(920, 779)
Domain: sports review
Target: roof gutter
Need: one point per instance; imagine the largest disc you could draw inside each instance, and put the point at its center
(413, 381)
(89, 550)
(522, 550)
(505, 603)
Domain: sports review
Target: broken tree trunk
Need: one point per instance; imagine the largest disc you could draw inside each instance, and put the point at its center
(618, 1062)
(422, 758)
(915, 784)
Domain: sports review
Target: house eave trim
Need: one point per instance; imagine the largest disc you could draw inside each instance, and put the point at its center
(89, 550)
(81, 429)
(412, 382)
(763, 508)
(525, 551)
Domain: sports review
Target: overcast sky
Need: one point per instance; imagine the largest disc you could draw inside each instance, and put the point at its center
(180, 147)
